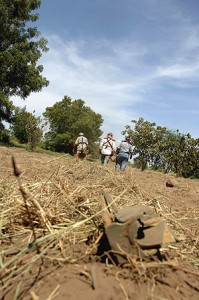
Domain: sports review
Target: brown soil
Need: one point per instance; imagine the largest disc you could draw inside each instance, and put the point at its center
(66, 266)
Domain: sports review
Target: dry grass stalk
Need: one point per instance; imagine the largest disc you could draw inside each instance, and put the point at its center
(121, 285)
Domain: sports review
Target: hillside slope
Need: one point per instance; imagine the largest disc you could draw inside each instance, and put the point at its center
(58, 202)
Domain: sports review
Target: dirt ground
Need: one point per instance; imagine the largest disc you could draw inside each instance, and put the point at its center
(81, 273)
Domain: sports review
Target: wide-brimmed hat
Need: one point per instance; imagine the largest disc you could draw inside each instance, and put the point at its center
(81, 133)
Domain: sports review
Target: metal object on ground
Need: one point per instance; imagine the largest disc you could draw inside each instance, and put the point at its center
(128, 212)
(134, 231)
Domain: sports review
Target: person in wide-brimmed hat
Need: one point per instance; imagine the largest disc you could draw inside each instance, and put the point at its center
(81, 146)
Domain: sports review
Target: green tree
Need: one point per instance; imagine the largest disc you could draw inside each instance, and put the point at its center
(27, 128)
(160, 148)
(18, 125)
(143, 139)
(184, 155)
(156, 158)
(172, 150)
(66, 119)
(6, 110)
(34, 128)
(6, 114)
(20, 49)
(191, 161)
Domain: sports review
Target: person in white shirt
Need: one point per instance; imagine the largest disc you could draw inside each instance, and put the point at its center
(107, 148)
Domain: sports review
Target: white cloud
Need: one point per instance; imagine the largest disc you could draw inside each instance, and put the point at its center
(103, 86)
(179, 71)
(113, 77)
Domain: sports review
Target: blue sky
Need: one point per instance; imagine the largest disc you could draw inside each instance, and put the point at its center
(125, 58)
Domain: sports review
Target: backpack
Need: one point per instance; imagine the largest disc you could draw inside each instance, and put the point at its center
(82, 144)
(107, 148)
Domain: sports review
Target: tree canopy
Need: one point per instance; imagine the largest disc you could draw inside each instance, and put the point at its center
(6, 110)
(163, 149)
(20, 50)
(144, 136)
(26, 127)
(66, 120)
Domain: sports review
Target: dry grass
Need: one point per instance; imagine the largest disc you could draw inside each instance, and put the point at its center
(52, 212)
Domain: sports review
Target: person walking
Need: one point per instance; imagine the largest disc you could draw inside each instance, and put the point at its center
(107, 148)
(124, 151)
(81, 146)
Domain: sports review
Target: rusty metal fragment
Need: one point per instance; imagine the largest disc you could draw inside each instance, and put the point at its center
(134, 211)
(134, 231)
(117, 234)
(150, 220)
(155, 236)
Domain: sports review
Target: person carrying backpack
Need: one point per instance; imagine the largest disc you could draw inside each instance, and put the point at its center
(124, 151)
(81, 146)
(107, 148)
